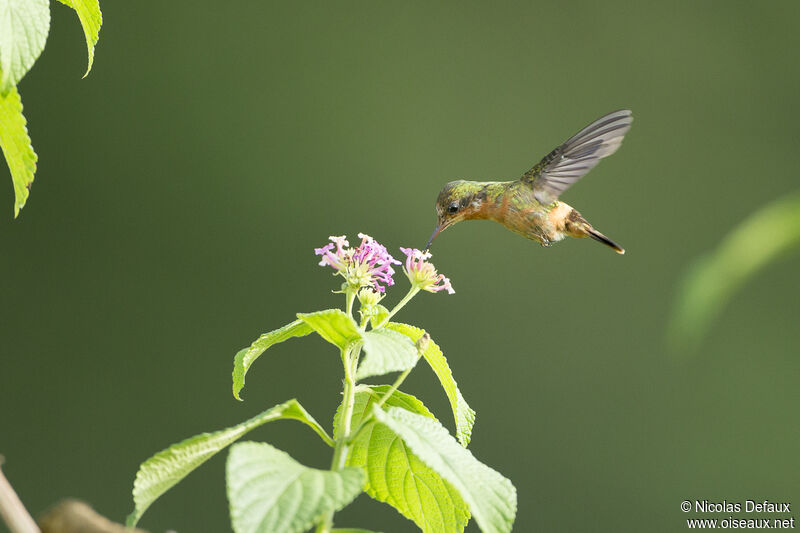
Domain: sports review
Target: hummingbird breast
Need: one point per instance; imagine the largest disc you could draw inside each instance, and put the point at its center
(512, 204)
(516, 208)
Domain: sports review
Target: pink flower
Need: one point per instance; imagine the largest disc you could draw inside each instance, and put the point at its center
(422, 274)
(370, 264)
(334, 259)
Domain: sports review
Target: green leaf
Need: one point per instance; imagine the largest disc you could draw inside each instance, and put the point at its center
(386, 351)
(245, 357)
(463, 413)
(333, 325)
(16, 145)
(380, 315)
(491, 498)
(91, 19)
(760, 239)
(166, 468)
(269, 491)
(376, 314)
(23, 31)
(394, 474)
(349, 530)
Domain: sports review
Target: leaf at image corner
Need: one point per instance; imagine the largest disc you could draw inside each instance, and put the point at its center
(91, 19)
(24, 25)
(17, 148)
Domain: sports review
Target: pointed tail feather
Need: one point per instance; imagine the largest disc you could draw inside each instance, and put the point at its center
(599, 237)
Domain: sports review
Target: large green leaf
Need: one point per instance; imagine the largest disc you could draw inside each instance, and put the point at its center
(394, 474)
(269, 491)
(91, 19)
(386, 351)
(23, 31)
(166, 468)
(761, 238)
(16, 147)
(245, 357)
(463, 413)
(491, 498)
(333, 325)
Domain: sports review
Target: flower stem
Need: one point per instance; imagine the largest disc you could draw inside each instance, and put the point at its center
(411, 293)
(342, 443)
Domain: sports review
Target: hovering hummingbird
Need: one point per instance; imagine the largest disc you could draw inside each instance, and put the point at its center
(530, 205)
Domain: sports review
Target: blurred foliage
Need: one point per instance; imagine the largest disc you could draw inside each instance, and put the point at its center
(763, 237)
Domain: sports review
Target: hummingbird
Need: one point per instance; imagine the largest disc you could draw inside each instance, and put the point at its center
(529, 205)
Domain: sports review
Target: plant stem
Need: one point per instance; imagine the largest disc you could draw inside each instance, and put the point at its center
(365, 420)
(12, 511)
(395, 385)
(342, 444)
(350, 295)
(411, 293)
(341, 447)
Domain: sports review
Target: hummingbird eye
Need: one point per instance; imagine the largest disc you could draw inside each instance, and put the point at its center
(453, 208)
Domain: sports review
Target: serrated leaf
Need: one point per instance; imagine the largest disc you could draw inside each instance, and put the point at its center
(491, 498)
(333, 325)
(247, 356)
(269, 491)
(23, 31)
(16, 145)
(91, 19)
(463, 413)
(386, 351)
(394, 474)
(168, 467)
(761, 238)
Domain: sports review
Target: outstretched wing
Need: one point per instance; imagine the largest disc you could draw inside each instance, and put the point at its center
(572, 160)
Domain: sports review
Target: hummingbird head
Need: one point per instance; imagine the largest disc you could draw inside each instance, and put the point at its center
(458, 200)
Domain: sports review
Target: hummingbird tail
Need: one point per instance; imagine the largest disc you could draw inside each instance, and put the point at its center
(599, 237)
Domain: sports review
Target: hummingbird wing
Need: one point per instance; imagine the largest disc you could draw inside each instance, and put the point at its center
(578, 155)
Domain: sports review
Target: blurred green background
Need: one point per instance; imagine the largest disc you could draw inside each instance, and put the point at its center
(183, 186)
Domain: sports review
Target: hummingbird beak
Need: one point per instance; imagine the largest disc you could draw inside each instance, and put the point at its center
(436, 231)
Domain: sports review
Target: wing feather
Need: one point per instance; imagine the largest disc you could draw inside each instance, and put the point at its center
(579, 154)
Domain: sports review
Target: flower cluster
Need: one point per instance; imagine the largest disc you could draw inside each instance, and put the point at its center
(367, 265)
(370, 266)
(422, 274)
